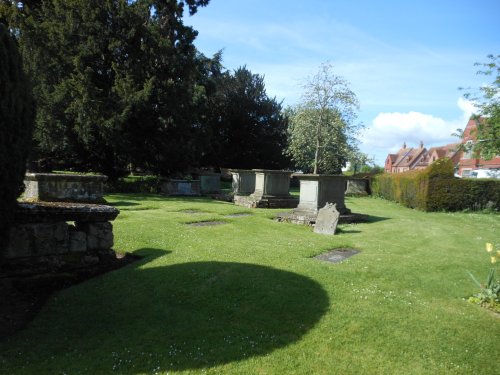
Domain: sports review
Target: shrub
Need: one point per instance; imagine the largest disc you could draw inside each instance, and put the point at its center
(16, 126)
(132, 184)
(435, 189)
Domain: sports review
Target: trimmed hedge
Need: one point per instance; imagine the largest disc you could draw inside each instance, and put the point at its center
(436, 189)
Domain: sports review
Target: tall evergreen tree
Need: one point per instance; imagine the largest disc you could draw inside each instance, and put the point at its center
(249, 127)
(16, 125)
(114, 80)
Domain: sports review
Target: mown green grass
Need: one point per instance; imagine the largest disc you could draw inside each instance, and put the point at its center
(247, 297)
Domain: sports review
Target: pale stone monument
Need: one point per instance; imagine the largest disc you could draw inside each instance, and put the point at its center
(272, 190)
(243, 181)
(327, 220)
(316, 190)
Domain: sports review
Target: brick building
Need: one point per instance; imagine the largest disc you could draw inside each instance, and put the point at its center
(468, 161)
(409, 158)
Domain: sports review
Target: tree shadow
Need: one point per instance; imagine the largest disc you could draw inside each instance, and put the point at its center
(184, 316)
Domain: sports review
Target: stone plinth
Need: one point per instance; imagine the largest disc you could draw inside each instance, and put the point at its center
(272, 190)
(243, 181)
(210, 183)
(318, 190)
(181, 187)
(64, 187)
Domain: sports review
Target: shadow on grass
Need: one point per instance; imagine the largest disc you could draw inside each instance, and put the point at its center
(177, 317)
(375, 219)
(123, 204)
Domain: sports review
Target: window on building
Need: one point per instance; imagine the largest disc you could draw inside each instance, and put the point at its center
(466, 172)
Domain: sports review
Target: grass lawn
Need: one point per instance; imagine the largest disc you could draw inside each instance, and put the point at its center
(247, 297)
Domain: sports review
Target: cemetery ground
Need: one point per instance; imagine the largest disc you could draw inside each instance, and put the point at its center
(248, 297)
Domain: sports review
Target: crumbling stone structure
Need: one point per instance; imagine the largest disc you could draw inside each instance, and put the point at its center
(60, 235)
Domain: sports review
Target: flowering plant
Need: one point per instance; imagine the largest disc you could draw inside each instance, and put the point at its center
(489, 294)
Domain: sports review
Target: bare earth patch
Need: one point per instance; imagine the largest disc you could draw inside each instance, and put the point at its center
(337, 255)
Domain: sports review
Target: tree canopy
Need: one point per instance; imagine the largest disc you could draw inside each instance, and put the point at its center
(248, 127)
(487, 101)
(114, 81)
(322, 131)
(120, 85)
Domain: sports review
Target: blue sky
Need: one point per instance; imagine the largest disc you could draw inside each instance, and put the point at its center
(404, 60)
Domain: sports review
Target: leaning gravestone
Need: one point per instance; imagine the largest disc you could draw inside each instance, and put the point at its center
(327, 220)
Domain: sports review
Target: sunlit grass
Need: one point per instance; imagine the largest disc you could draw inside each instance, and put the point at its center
(247, 297)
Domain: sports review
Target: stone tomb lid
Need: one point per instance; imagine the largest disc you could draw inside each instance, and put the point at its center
(64, 176)
(310, 176)
(27, 212)
(270, 171)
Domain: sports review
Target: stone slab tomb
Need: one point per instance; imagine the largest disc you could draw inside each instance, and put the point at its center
(272, 190)
(243, 181)
(315, 192)
(57, 187)
(55, 234)
(181, 187)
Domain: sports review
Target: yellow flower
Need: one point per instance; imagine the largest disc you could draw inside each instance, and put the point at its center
(493, 260)
(489, 247)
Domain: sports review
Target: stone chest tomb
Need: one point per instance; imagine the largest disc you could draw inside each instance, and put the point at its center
(57, 187)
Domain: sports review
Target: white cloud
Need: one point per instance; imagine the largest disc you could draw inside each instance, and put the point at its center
(388, 131)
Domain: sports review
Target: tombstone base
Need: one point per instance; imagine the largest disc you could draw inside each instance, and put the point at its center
(310, 219)
(251, 201)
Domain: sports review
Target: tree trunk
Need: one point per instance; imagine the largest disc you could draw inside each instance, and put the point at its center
(318, 145)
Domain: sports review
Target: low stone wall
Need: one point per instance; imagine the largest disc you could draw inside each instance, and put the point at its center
(56, 234)
(54, 187)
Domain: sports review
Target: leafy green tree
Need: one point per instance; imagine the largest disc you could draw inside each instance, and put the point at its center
(359, 161)
(487, 101)
(114, 79)
(322, 131)
(248, 127)
(16, 125)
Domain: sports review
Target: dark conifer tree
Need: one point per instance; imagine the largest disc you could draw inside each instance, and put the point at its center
(16, 125)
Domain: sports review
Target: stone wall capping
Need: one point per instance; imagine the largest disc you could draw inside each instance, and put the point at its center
(64, 187)
(36, 212)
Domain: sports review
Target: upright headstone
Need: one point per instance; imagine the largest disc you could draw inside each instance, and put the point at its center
(327, 220)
